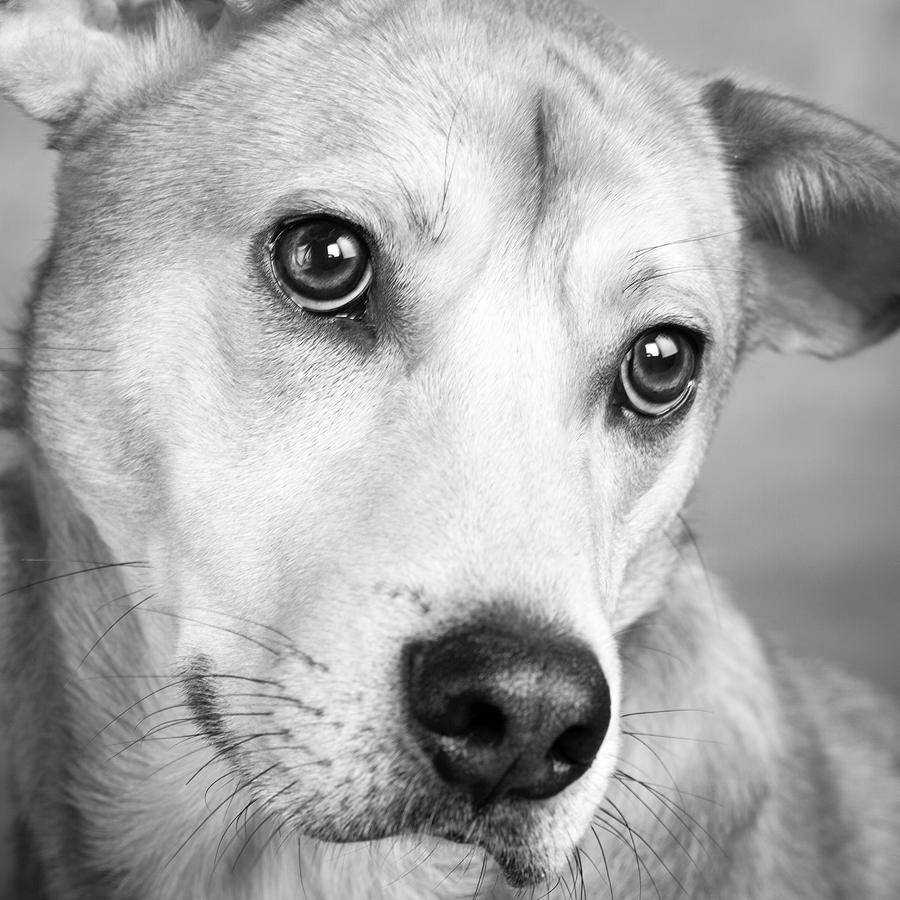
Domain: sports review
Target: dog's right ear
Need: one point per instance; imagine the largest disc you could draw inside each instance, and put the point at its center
(66, 61)
(50, 51)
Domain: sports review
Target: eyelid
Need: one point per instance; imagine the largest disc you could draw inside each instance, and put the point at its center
(695, 325)
(658, 317)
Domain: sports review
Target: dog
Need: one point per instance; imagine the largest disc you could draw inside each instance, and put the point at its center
(370, 365)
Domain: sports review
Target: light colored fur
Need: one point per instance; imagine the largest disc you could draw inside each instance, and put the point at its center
(290, 501)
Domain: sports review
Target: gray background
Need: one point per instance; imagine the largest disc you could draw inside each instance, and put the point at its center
(798, 508)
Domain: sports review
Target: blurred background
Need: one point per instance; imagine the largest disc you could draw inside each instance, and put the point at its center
(798, 509)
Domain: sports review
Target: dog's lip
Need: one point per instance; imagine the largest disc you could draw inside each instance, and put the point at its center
(500, 832)
(517, 865)
(456, 837)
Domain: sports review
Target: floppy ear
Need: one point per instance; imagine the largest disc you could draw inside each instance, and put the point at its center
(820, 198)
(64, 61)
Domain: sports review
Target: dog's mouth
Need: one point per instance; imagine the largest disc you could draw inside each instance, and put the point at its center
(517, 865)
(507, 837)
(452, 856)
(418, 865)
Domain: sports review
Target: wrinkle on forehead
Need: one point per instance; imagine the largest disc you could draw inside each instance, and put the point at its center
(541, 151)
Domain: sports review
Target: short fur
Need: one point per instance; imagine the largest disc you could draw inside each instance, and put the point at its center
(226, 518)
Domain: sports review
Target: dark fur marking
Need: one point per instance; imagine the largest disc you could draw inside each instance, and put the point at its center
(541, 153)
(201, 700)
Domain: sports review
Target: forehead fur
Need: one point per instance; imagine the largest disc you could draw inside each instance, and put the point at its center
(449, 132)
(406, 85)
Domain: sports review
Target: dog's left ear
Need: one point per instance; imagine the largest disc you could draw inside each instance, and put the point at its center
(820, 198)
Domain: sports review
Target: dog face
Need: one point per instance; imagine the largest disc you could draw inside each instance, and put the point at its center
(416, 320)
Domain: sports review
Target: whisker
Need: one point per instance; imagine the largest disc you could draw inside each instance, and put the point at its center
(662, 787)
(86, 571)
(674, 657)
(240, 634)
(273, 814)
(242, 786)
(57, 349)
(233, 823)
(118, 599)
(666, 827)
(51, 371)
(550, 888)
(143, 564)
(672, 737)
(650, 847)
(164, 726)
(479, 883)
(289, 642)
(179, 738)
(127, 612)
(579, 870)
(154, 735)
(268, 841)
(418, 863)
(157, 676)
(228, 747)
(136, 703)
(710, 588)
(178, 759)
(468, 855)
(652, 750)
(612, 893)
(663, 712)
(603, 825)
(676, 809)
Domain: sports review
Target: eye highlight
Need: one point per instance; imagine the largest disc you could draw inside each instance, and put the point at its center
(658, 372)
(322, 264)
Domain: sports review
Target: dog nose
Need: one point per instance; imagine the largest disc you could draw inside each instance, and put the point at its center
(502, 714)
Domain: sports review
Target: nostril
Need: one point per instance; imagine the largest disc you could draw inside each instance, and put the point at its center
(481, 723)
(486, 725)
(578, 745)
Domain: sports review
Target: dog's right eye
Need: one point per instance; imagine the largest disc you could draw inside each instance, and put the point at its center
(322, 264)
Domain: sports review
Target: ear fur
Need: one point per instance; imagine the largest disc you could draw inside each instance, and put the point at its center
(49, 54)
(66, 62)
(820, 197)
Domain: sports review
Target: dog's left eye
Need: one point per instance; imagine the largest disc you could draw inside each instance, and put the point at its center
(322, 264)
(658, 373)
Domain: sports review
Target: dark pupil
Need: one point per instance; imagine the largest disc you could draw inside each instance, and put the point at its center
(322, 261)
(662, 366)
